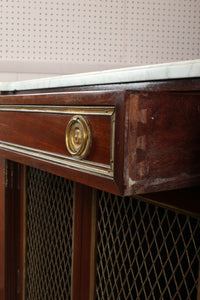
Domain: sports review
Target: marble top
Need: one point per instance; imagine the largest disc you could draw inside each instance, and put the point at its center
(175, 70)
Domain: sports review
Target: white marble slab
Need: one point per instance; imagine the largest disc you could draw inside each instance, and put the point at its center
(175, 70)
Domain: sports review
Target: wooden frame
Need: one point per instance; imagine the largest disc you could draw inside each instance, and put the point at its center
(155, 148)
(156, 151)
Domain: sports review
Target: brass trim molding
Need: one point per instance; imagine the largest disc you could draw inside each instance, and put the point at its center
(71, 110)
(64, 161)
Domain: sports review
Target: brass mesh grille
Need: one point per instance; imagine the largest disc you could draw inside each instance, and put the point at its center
(145, 251)
(49, 217)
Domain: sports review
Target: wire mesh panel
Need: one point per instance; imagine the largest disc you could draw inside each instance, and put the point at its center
(145, 251)
(49, 224)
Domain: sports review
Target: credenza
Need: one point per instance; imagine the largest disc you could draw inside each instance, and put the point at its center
(100, 193)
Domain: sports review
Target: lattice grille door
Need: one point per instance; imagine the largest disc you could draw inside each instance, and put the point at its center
(49, 221)
(145, 251)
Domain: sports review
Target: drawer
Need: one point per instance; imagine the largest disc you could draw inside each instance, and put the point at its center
(79, 137)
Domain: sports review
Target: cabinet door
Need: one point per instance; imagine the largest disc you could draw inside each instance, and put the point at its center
(65, 240)
(48, 235)
(145, 251)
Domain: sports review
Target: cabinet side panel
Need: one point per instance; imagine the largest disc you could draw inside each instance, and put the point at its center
(12, 231)
(2, 227)
(164, 133)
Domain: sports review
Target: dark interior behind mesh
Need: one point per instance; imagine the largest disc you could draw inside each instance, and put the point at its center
(49, 219)
(145, 251)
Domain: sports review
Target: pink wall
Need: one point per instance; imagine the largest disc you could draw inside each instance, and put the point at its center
(78, 36)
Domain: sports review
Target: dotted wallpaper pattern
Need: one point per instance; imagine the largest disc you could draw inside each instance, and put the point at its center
(100, 31)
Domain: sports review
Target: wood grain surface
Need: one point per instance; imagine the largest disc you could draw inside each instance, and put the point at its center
(156, 142)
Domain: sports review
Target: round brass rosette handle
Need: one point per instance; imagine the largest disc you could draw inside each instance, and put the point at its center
(78, 137)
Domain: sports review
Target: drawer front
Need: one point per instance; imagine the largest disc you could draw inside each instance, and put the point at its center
(57, 134)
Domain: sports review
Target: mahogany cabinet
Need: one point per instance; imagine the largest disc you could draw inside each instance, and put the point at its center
(100, 193)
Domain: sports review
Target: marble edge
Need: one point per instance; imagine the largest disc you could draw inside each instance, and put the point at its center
(174, 70)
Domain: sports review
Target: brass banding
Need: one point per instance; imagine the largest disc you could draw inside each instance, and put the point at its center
(78, 137)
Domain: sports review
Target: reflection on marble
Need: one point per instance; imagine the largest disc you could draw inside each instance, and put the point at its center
(175, 70)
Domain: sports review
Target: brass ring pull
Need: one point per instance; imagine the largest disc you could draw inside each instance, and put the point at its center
(78, 137)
